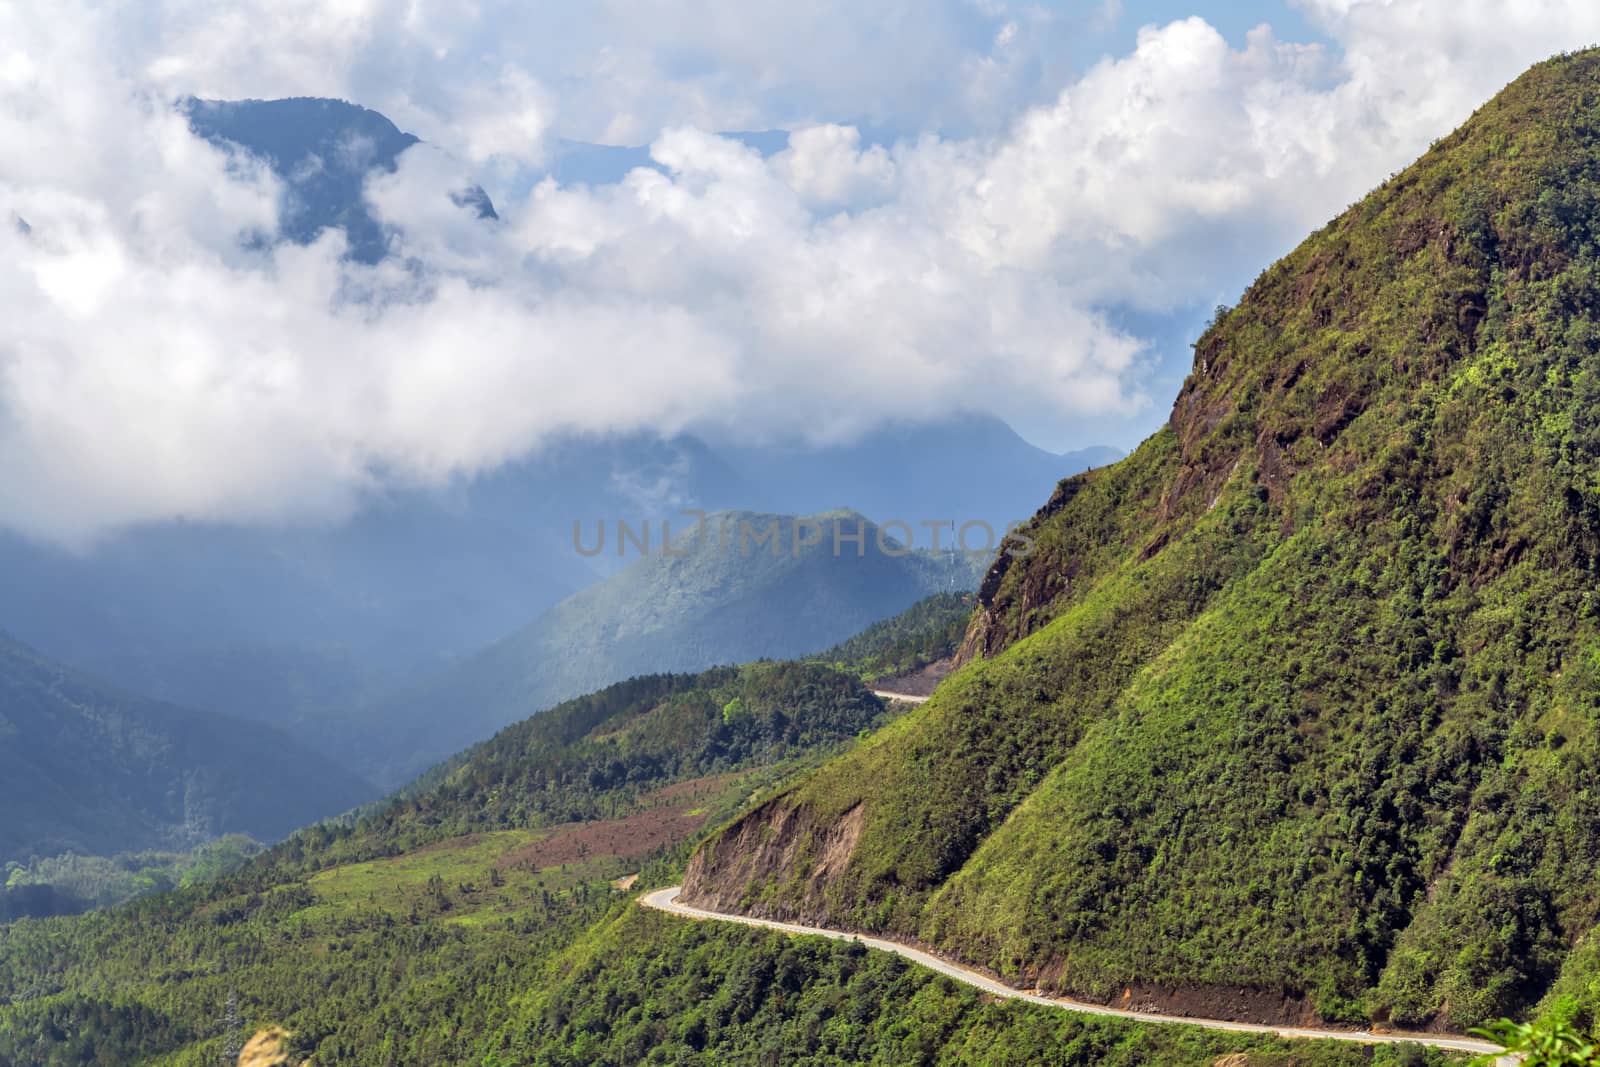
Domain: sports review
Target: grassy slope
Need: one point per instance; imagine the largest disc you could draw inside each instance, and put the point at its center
(1303, 696)
(466, 923)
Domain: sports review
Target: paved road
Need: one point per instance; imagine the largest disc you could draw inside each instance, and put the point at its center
(884, 694)
(667, 900)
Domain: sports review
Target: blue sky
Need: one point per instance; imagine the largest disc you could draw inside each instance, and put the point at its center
(998, 205)
(1233, 20)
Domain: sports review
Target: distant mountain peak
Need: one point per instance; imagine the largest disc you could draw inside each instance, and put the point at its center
(324, 150)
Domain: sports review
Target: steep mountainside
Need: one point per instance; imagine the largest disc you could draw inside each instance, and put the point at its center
(915, 647)
(86, 769)
(1297, 709)
(468, 921)
(722, 596)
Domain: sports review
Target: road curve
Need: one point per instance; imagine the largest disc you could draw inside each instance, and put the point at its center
(667, 900)
(905, 698)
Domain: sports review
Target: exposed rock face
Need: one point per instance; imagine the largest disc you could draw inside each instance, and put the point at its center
(781, 839)
(1008, 611)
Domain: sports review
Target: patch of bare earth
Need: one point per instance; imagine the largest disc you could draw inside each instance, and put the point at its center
(1222, 1002)
(920, 682)
(776, 839)
(632, 837)
(692, 790)
(269, 1048)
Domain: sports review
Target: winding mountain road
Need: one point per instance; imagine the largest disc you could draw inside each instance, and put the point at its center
(667, 900)
(905, 698)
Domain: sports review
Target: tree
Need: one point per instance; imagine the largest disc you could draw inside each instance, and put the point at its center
(1546, 1042)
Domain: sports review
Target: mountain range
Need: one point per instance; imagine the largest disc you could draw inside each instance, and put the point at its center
(1291, 717)
(300, 625)
(294, 626)
(89, 769)
(744, 586)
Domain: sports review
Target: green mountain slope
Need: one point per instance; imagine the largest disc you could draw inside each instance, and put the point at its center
(644, 988)
(725, 595)
(591, 757)
(473, 919)
(363, 933)
(914, 644)
(1297, 709)
(86, 769)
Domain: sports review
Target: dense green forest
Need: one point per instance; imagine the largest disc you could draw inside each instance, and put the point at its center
(1298, 708)
(70, 883)
(476, 918)
(928, 631)
(646, 988)
(381, 932)
(584, 979)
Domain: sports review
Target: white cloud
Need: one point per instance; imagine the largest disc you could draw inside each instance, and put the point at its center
(156, 367)
(827, 166)
(504, 120)
(624, 69)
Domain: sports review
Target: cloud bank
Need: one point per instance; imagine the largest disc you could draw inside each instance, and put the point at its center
(158, 366)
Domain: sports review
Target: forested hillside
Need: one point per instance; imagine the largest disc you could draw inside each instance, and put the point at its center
(1296, 711)
(356, 934)
(472, 920)
(723, 594)
(925, 635)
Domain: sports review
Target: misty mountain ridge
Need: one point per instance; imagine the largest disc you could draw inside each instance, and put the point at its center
(88, 768)
(303, 626)
(749, 586)
(324, 151)
(293, 625)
